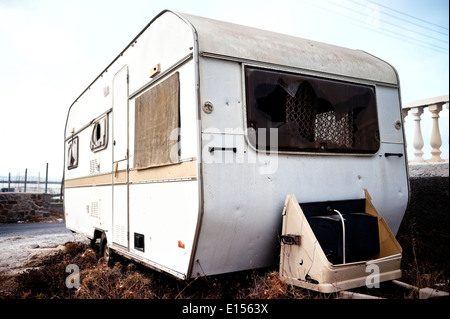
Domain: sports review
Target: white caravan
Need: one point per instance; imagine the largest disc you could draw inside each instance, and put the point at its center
(181, 153)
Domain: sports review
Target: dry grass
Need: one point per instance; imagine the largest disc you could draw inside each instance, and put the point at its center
(424, 235)
(127, 280)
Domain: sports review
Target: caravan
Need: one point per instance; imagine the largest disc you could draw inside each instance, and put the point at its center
(181, 153)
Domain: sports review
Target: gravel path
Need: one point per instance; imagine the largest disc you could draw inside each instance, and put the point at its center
(23, 245)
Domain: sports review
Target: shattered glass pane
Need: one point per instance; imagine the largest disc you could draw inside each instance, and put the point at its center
(312, 114)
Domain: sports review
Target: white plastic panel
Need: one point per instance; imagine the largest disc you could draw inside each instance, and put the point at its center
(120, 115)
(244, 191)
(220, 82)
(120, 215)
(389, 112)
(166, 214)
(168, 40)
(88, 208)
(87, 157)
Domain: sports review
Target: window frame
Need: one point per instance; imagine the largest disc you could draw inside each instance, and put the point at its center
(70, 144)
(160, 103)
(98, 144)
(250, 134)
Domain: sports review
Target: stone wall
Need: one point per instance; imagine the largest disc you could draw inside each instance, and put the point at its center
(16, 207)
(428, 169)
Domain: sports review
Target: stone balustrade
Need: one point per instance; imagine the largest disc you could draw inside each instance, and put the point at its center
(416, 109)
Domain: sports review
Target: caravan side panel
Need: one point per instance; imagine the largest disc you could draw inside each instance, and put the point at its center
(147, 212)
(245, 189)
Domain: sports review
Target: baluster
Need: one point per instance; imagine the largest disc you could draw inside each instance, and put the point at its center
(405, 114)
(418, 139)
(435, 140)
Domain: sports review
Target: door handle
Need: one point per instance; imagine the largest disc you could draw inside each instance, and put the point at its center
(393, 154)
(214, 148)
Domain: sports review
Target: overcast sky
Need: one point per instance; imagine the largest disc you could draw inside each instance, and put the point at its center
(51, 50)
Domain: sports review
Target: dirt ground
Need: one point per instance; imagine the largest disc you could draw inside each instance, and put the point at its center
(24, 245)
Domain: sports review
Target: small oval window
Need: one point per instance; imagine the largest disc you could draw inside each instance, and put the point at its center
(99, 138)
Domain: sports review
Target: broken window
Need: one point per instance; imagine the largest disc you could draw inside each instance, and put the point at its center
(99, 136)
(311, 114)
(72, 153)
(156, 117)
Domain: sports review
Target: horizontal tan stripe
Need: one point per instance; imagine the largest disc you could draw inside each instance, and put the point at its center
(180, 170)
(96, 180)
(169, 172)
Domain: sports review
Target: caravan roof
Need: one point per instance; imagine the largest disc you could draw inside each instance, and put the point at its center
(238, 42)
(225, 39)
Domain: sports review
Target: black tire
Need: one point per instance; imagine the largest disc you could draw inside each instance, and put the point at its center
(92, 243)
(105, 252)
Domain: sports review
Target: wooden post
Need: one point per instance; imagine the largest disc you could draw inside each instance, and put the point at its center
(25, 183)
(46, 178)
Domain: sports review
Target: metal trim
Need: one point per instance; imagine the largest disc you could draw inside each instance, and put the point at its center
(285, 68)
(122, 251)
(89, 124)
(298, 153)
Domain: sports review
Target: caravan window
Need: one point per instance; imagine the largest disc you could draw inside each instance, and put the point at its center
(311, 114)
(99, 136)
(156, 118)
(72, 153)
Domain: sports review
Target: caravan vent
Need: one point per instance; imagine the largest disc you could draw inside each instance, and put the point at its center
(120, 234)
(94, 209)
(94, 167)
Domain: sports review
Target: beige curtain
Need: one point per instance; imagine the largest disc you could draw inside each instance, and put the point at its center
(156, 116)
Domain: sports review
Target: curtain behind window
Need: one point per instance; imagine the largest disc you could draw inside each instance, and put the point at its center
(156, 116)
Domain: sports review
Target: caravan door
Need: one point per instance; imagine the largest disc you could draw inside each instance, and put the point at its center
(120, 219)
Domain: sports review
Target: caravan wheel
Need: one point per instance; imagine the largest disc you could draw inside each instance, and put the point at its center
(105, 251)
